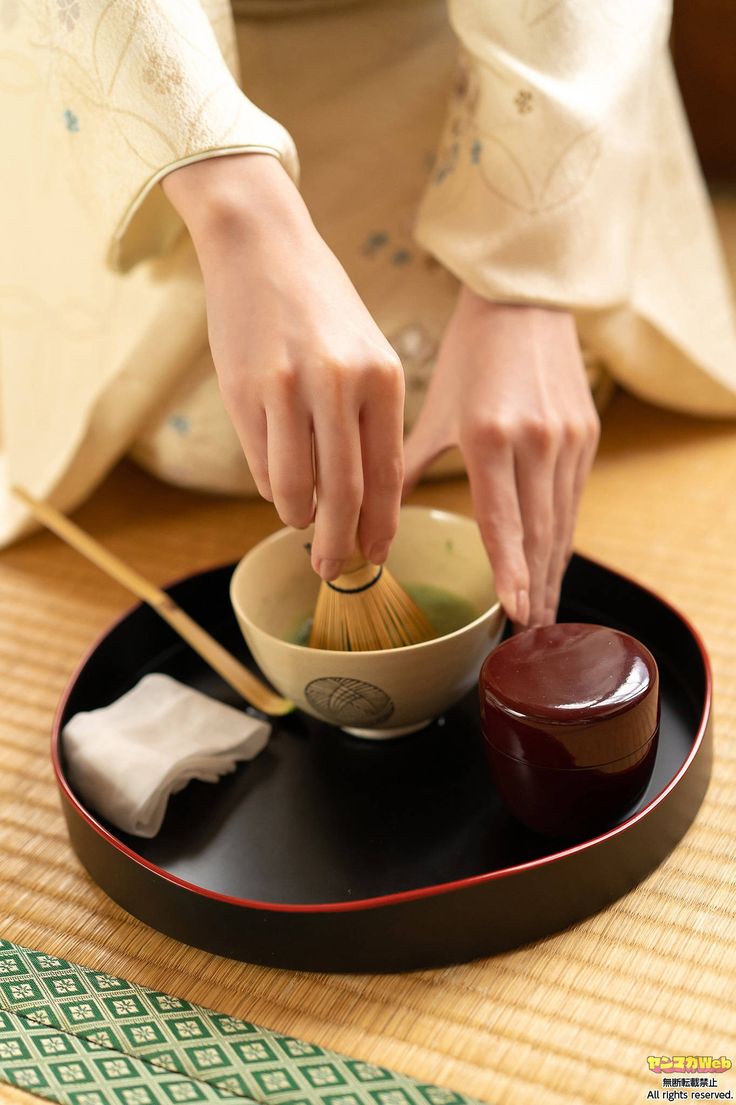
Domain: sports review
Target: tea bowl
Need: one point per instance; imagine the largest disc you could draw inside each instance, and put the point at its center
(373, 694)
(570, 716)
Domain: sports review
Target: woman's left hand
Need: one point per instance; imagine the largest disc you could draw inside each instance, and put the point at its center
(509, 388)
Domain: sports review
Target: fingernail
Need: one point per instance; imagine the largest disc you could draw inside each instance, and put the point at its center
(522, 607)
(379, 552)
(550, 615)
(329, 569)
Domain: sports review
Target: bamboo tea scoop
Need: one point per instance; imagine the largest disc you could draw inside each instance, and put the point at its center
(223, 662)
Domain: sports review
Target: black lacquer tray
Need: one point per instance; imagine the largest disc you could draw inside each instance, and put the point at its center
(333, 853)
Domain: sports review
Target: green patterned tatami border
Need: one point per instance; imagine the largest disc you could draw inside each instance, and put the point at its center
(81, 1037)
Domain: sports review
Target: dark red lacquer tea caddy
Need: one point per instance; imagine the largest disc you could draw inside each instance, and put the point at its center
(570, 716)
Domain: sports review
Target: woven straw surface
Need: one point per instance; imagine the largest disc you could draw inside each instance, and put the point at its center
(567, 1020)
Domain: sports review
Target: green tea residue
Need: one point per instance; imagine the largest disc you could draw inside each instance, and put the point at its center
(445, 611)
(299, 635)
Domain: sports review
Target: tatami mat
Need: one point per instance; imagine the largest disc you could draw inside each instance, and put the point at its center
(570, 1019)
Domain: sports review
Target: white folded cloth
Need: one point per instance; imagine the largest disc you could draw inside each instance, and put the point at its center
(125, 759)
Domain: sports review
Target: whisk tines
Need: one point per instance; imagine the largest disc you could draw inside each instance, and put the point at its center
(365, 609)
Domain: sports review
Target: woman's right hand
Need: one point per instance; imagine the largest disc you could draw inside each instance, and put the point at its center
(314, 390)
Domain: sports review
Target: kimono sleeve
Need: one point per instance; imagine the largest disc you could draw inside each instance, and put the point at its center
(537, 189)
(145, 86)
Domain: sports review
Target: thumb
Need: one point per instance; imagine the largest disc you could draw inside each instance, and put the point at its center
(423, 445)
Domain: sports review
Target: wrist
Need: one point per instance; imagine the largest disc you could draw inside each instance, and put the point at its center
(234, 195)
(474, 303)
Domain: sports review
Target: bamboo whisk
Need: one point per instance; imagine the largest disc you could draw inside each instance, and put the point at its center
(366, 609)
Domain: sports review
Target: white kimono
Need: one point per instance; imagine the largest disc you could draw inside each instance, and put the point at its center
(562, 172)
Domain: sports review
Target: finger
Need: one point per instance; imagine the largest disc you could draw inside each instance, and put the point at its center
(249, 420)
(430, 436)
(582, 472)
(290, 466)
(339, 485)
(563, 525)
(421, 448)
(535, 460)
(381, 439)
(496, 506)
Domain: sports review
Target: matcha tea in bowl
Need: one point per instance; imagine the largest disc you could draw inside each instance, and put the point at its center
(439, 559)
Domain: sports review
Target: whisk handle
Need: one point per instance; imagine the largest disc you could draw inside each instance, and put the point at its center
(358, 574)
